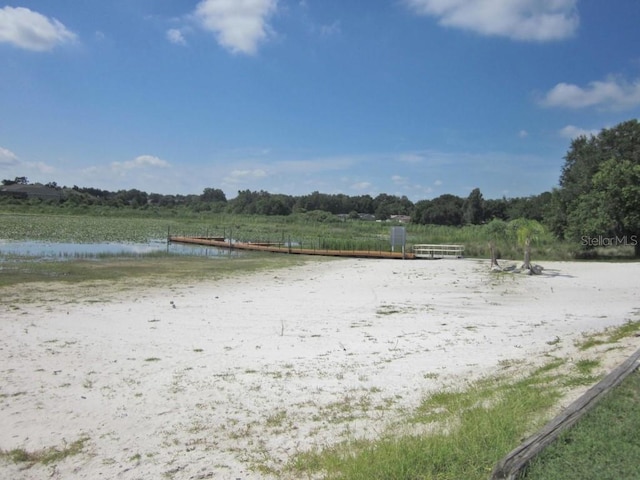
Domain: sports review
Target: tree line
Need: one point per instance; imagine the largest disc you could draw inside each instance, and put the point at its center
(597, 201)
(444, 210)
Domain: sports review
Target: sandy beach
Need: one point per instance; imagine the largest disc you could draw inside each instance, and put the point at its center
(230, 378)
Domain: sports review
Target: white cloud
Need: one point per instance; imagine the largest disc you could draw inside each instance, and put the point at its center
(41, 167)
(361, 186)
(7, 157)
(240, 176)
(571, 132)
(316, 165)
(614, 93)
(239, 25)
(176, 37)
(399, 180)
(331, 29)
(30, 30)
(523, 134)
(143, 161)
(530, 20)
(410, 157)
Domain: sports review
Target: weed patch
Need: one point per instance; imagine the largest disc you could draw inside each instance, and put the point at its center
(610, 335)
(45, 456)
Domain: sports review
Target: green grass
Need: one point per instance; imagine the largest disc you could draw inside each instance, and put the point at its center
(609, 336)
(604, 445)
(462, 434)
(45, 456)
(468, 431)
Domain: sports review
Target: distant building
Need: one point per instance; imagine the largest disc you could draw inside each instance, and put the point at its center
(36, 190)
(361, 216)
(400, 218)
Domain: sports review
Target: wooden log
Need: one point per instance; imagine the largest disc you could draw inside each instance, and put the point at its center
(511, 466)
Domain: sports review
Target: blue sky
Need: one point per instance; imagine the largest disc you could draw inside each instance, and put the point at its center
(404, 97)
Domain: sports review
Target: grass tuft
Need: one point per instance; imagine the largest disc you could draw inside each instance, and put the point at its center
(610, 335)
(45, 456)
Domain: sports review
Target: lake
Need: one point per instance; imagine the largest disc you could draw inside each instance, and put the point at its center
(69, 251)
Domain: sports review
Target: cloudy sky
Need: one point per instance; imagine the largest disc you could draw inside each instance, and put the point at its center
(405, 97)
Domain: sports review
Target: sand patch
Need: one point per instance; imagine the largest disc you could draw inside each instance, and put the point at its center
(213, 380)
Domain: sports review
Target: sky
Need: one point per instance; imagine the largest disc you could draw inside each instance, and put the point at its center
(414, 98)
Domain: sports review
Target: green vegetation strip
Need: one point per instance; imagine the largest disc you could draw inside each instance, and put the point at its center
(462, 434)
(604, 445)
(459, 434)
(153, 268)
(314, 230)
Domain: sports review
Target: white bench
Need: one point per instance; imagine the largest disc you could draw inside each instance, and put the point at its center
(438, 251)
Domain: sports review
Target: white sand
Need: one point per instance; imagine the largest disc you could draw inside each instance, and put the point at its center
(250, 370)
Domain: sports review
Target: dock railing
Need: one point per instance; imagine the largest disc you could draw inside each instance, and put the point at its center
(438, 251)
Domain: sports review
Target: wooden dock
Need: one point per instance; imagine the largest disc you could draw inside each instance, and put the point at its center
(284, 248)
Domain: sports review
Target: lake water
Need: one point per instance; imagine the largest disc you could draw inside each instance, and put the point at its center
(67, 251)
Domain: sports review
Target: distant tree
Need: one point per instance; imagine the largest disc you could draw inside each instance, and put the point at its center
(598, 192)
(362, 204)
(244, 202)
(155, 199)
(473, 208)
(386, 205)
(443, 210)
(495, 208)
(16, 181)
(213, 195)
(555, 214)
(612, 206)
(535, 207)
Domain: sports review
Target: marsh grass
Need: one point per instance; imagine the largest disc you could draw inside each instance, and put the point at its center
(305, 230)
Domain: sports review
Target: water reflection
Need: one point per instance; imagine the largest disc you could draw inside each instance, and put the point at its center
(64, 251)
